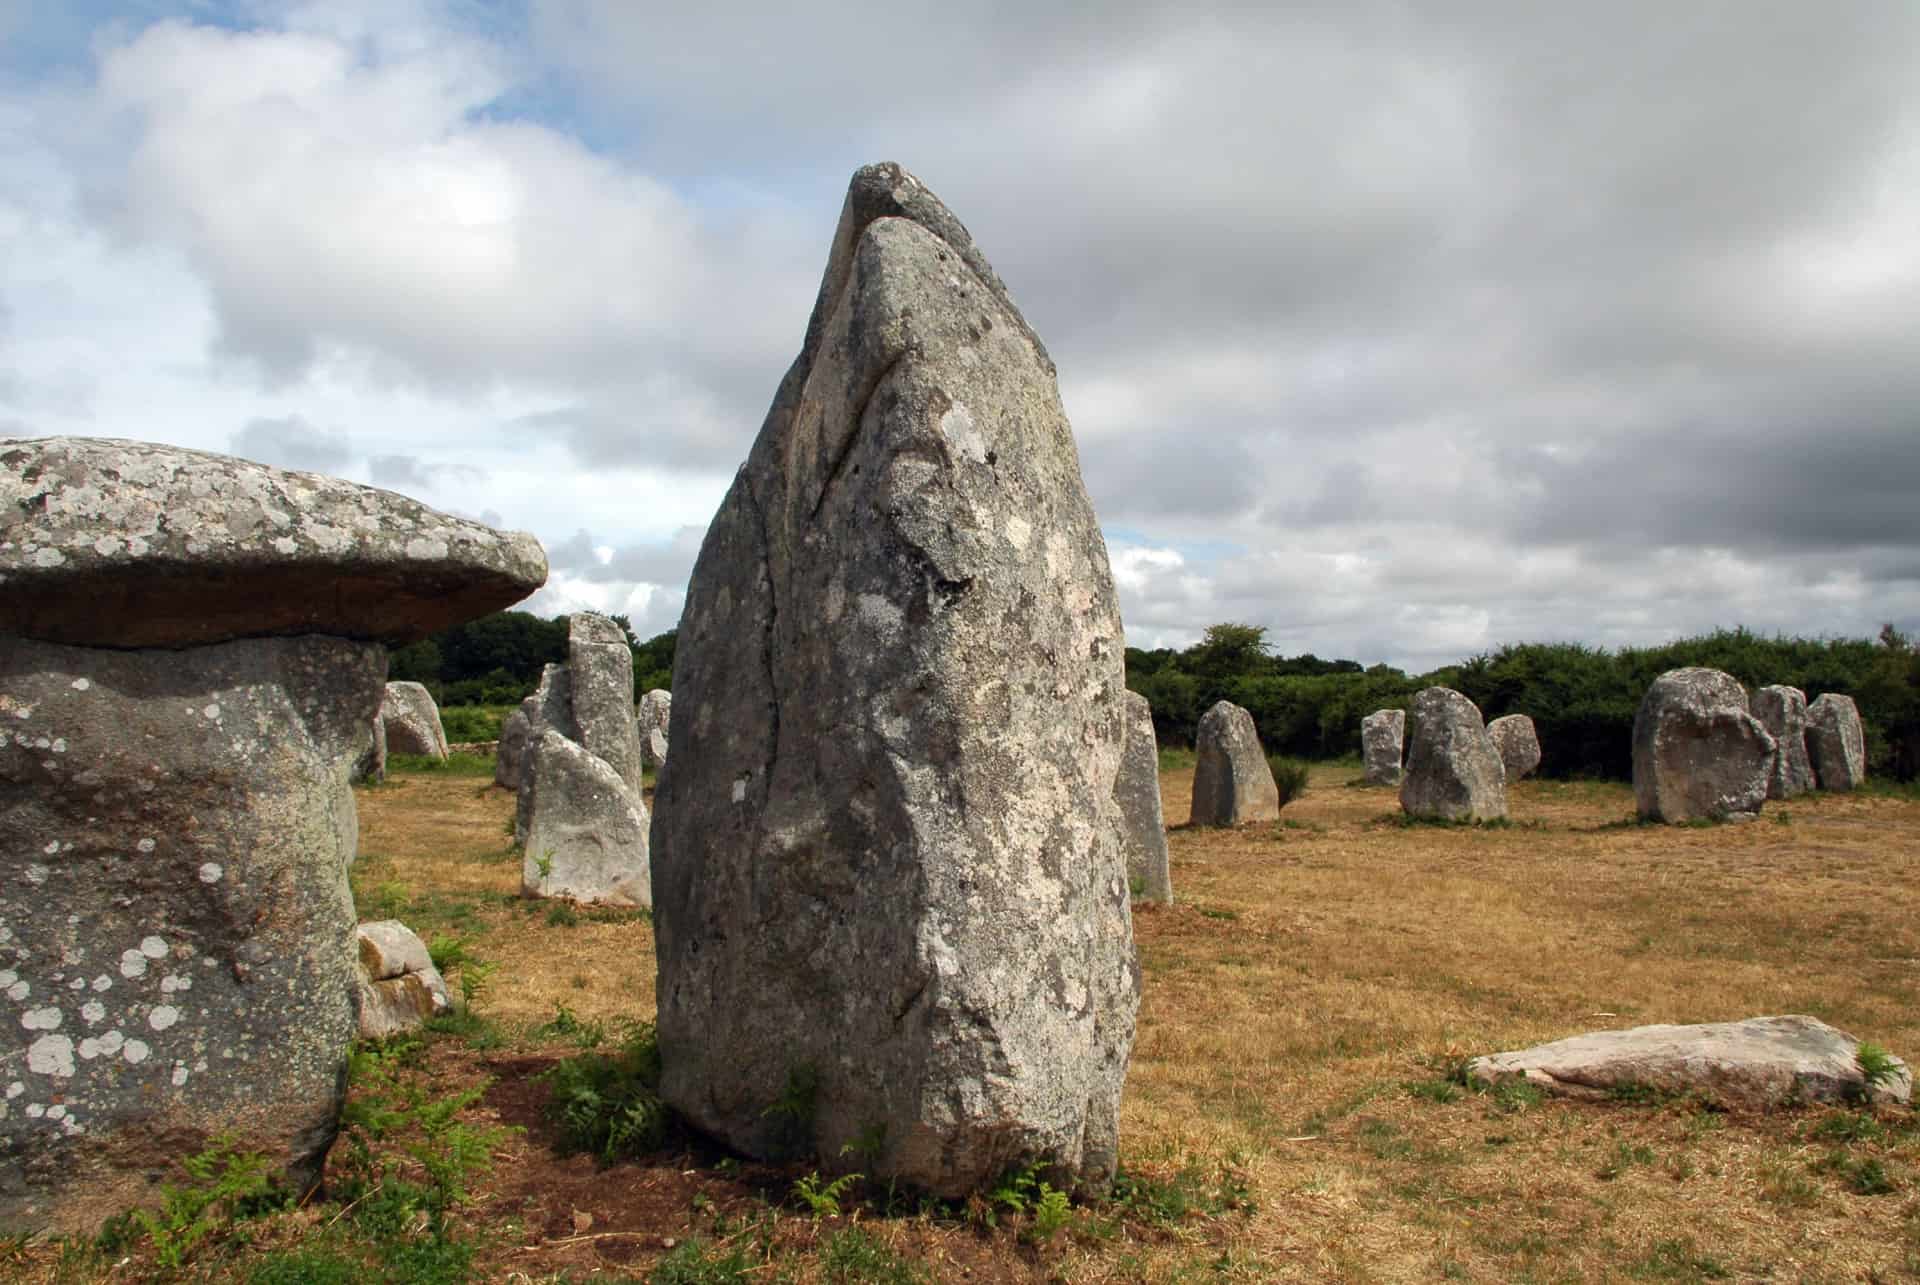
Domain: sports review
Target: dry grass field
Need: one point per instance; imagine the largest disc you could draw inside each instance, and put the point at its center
(1293, 1111)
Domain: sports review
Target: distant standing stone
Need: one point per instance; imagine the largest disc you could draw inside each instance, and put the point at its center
(1383, 741)
(1454, 773)
(600, 685)
(1760, 1064)
(515, 732)
(654, 717)
(1137, 790)
(1783, 712)
(587, 828)
(1232, 781)
(1697, 751)
(1517, 744)
(411, 721)
(1835, 742)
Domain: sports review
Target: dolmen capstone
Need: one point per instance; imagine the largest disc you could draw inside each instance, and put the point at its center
(653, 718)
(1453, 771)
(1783, 712)
(1136, 788)
(1517, 744)
(1698, 753)
(580, 818)
(1760, 1064)
(1383, 738)
(1232, 781)
(1836, 745)
(890, 895)
(398, 985)
(191, 651)
(410, 721)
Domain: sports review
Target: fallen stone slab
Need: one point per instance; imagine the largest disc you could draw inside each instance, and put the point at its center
(133, 544)
(1760, 1064)
(399, 988)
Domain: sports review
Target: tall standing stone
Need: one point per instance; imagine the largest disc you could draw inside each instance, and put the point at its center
(549, 705)
(1517, 744)
(410, 721)
(1783, 712)
(1697, 751)
(888, 870)
(1383, 738)
(653, 718)
(600, 687)
(1232, 781)
(1454, 773)
(1136, 788)
(190, 657)
(1836, 745)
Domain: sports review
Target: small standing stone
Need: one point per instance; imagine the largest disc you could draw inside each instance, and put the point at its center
(1143, 830)
(399, 988)
(1783, 712)
(515, 732)
(411, 721)
(1454, 773)
(1232, 781)
(654, 716)
(587, 828)
(1697, 751)
(1835, 742)
(1383, 739)
(1517, 744)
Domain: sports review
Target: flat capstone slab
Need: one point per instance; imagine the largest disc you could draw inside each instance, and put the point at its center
(107, 542)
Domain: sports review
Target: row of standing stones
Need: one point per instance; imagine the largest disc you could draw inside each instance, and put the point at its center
(889, 847)
(890, 851)
(1701, 749)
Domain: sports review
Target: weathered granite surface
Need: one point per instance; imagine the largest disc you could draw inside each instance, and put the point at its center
(1836, 743)
(398, 986)
(1783, 712)
(1136, 788)
(600, 690)
(410, 721)
(587, 829)
(653, 719)
(133, 544)
(1232, 781)
(1697, 751)
(1453, 771)
(1517, 744)
(1383, 742)
(886, 850)
(1760, 1064)
(176, 933)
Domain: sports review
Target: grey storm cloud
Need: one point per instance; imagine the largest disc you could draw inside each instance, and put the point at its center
(292, 442)
(412, 471)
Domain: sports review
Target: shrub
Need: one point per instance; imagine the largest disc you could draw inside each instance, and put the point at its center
(1290, 774)
(609, 1103)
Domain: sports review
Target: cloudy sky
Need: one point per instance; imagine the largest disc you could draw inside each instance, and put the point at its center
(1405, 330)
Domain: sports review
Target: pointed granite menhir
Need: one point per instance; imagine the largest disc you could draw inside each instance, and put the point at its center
(889, 891)
(189, 672)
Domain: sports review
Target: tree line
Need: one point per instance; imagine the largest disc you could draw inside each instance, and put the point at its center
(1581, 699)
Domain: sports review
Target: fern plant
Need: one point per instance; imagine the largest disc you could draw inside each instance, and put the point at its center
(822, 1199)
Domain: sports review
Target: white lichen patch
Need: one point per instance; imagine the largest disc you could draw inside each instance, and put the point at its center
(1019, 531)
(136, 1052)
(958, 428)
(210, 872)
(422, 548)
(212, 712)
(51, 1055)
(102, 984)
(175, 982)
(37, 874)
(19, 991)
(81, 684)
(132, 964)
(179, 1076)
(145, 845)
(93, 1012)
(153, 947)
(163, 1016)
(42, 1019)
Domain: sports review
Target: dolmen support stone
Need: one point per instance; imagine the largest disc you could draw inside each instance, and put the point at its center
(410, 721)
(580, 818)
(1383, 741)
(1760, 1064)
(1518, 745)
(191, 652)
(1697, 751)
(399, 988)
(1836, 745)
(653, 718)
(1783, 712)
(1453, 771)
(1136, 788)
(1232, 781)
(890, 892)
